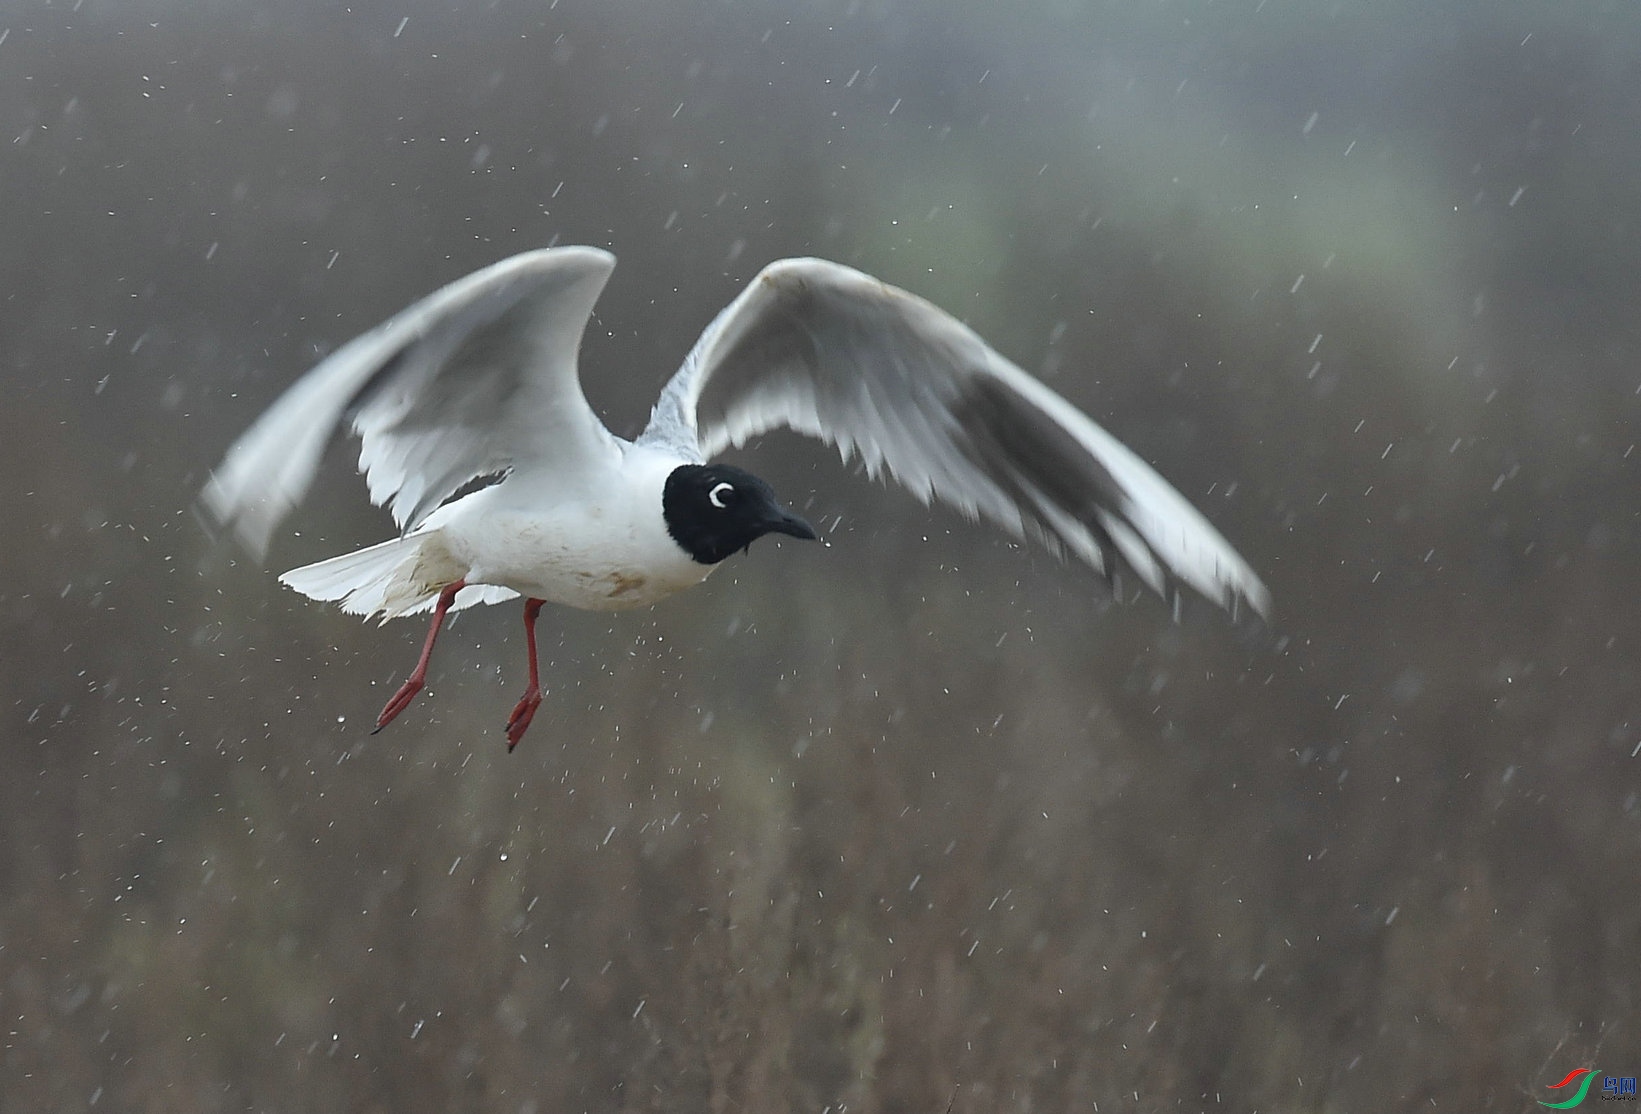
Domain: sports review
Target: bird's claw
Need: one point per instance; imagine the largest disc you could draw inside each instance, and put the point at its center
(399, 702)
(523, 712)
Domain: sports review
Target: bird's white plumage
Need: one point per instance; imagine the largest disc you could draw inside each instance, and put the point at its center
(602, 545)
(888, 377)
(480, 378)
(477, 377)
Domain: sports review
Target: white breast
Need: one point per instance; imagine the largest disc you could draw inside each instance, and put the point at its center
(597, 542)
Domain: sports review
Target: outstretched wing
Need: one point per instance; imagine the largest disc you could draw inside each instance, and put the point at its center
(888, 377)
(476, 378)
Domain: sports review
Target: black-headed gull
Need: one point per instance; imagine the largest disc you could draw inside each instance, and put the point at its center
(476, 435)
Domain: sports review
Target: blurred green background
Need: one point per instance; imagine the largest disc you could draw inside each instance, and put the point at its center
(922, 821)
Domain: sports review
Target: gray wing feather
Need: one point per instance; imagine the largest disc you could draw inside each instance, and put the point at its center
(478, 377)
(889, 378)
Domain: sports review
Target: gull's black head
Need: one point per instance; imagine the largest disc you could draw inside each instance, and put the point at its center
(712, 510)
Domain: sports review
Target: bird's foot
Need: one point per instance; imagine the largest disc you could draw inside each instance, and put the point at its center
(401, 700)
(523, 712)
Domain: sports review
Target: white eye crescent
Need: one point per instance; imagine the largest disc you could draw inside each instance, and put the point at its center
(716, 495)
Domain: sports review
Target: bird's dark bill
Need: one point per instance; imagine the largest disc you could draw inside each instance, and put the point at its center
(793, 526)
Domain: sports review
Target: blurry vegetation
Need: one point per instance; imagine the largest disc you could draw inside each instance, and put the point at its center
(920, 821)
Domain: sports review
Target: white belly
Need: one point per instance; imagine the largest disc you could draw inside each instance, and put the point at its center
(556, 558)
(606, 547)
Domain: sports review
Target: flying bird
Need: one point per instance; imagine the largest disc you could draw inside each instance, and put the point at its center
(476, 435)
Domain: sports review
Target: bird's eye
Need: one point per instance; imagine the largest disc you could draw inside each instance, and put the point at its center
(720, 495)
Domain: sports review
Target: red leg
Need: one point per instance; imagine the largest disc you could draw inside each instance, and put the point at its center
(519, 722)
(413, 684)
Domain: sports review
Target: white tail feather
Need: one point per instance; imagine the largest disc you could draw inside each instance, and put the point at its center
(390, 579)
